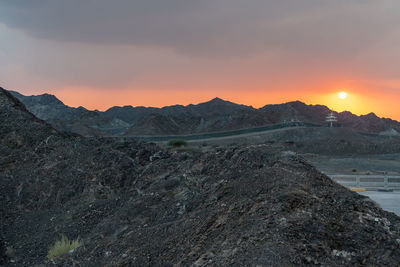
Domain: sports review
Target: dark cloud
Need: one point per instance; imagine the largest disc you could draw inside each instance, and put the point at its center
(197, 44)
(212, 28)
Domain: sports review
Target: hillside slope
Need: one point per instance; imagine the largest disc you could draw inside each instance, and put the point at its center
(78, 120)
(134, 204)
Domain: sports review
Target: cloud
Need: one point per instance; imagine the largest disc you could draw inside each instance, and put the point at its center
(209, 28)
(198, 45)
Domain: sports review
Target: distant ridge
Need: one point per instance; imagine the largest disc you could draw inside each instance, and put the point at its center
(211, 116)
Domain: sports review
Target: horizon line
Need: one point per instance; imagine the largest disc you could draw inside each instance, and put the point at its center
(194, 104)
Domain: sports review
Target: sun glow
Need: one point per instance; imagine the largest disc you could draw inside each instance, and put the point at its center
(342, 95)
(357, 100)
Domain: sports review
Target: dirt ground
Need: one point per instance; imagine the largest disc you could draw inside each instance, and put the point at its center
(362, 164)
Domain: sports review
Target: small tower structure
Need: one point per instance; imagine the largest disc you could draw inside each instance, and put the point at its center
(331, 118)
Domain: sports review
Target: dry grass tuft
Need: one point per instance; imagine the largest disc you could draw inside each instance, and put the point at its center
(62, 247)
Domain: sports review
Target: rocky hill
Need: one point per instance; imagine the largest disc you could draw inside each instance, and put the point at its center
(78, 120)
(135, 204)
(48, 107)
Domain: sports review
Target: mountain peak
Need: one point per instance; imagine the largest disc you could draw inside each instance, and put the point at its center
(48, 99)
(217, 100)
(372, 115)
(43, 99)
(298, 102)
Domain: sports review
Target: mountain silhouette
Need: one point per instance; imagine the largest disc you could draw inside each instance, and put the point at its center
(215, 115)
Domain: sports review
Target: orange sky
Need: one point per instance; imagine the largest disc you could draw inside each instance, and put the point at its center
(158, 53)
(359, 100)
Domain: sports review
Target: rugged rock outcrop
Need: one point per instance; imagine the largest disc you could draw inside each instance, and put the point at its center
(48, 107)
(78, 120)
(135, 204)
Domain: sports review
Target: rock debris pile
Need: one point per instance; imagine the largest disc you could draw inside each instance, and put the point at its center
(136, 204)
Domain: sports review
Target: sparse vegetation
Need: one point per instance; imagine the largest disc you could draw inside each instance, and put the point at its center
(177, 143)
(62, 247)
(182, 146)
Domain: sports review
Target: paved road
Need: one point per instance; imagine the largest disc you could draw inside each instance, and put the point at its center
(389, 201)
(229, 137)
(233, 134)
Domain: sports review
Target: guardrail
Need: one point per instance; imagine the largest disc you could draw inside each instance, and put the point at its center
(368, 181)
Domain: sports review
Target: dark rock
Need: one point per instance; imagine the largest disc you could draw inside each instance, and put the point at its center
(136, 206)
(2, 252)
(10, 253)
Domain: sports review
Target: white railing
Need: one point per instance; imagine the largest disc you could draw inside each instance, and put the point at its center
(368, 181)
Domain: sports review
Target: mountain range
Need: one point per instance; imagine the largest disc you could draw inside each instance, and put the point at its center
(215, 115)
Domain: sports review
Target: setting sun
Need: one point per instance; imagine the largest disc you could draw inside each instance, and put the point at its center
(342, 95)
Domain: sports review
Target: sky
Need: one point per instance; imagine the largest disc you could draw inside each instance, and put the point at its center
(100, 53)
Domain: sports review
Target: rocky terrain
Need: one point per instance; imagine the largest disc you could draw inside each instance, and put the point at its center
(136, 204)
(316, 140)
(213, 116)
(78, 120)
(380, 164)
